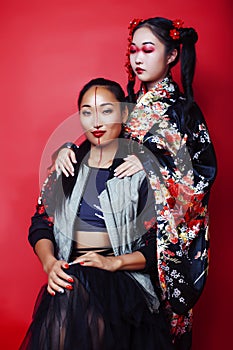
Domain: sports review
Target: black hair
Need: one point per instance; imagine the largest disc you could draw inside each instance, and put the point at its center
(161, 28)
(110, 85)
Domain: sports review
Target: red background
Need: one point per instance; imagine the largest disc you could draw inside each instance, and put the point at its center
(49, 49)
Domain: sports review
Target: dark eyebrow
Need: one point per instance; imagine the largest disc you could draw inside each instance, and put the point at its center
(105, 104)
(145, 43)
(102, 105)
(85, 106)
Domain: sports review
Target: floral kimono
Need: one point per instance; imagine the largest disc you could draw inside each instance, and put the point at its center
(179, 158)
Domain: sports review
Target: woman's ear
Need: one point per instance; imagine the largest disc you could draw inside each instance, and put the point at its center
(172, 56)
(125, 113)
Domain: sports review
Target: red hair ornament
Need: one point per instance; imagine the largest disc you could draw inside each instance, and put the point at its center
(175, 33)
(132, 25)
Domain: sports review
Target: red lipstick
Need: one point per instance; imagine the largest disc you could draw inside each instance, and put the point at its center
(140, 70)
(98, 133)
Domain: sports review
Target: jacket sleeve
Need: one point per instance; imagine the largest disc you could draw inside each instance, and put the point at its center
(42, 221)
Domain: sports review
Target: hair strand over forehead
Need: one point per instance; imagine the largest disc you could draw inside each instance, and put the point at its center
(110, 85)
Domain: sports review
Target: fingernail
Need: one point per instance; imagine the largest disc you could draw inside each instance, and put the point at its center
(53, 293)
(81, 262)
(70, 279)
(66, 266)
(61, 290)
(69, 287)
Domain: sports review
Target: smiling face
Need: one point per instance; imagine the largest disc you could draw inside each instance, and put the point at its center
(101, 116)
(148, 57)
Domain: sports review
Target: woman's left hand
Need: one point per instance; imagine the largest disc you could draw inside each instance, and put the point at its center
(131, 166)
(92, 259)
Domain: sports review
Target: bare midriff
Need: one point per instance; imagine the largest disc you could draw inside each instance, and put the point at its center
(95, 240)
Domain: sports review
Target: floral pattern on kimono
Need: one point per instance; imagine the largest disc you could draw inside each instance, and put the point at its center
(178, 156)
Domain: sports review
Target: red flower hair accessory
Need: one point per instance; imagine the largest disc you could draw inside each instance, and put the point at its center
(132, 25)
(174, 33)
(178, 23)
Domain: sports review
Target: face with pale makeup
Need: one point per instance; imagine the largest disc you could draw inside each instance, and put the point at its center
(101, 115)
(148, 57)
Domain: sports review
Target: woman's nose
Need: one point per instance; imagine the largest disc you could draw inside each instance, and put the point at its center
(97, 120)
(98, 126)
(138, 58)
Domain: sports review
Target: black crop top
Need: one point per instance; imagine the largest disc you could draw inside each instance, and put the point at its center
(90, 216)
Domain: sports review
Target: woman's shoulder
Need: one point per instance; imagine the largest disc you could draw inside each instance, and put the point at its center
(184, 119)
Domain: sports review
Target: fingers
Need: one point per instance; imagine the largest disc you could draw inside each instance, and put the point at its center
(73, 157)
(88, 259)
(64, 162)
(58, 279)
(130, 167)
(63, 168)
(92, 259)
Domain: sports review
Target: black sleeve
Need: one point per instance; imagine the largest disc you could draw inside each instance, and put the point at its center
(41, 226)
(42, 221)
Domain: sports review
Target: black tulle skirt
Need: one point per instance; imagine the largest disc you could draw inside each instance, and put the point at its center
(104, 311)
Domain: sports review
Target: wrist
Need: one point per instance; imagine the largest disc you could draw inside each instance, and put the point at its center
(47, 265)
(118, 263)
(69, 145)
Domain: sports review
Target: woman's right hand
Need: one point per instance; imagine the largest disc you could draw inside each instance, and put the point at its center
(58, 280)
(65, 158)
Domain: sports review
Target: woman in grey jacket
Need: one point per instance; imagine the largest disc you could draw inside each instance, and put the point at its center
(94, 234)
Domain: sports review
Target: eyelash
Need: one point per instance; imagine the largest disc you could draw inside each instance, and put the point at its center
(89, 113)
(86, 113)
(133, 50)
(107, 111)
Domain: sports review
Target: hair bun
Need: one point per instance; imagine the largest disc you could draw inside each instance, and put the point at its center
(188, 36)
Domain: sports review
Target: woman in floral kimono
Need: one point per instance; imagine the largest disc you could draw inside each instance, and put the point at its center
(168, 129)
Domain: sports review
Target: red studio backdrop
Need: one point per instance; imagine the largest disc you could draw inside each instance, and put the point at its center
(49, 49)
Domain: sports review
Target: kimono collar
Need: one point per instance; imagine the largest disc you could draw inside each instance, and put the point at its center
(151, 108)
(165, 89)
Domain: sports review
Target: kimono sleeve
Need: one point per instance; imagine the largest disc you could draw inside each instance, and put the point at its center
(181, 166)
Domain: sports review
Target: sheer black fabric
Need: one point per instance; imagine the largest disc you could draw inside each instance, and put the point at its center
(105, 311)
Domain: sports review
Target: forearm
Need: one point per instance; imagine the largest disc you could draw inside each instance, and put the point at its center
(132, 262)
(44, 249)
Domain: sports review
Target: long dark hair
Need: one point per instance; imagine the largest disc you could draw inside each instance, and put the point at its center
(185, 46)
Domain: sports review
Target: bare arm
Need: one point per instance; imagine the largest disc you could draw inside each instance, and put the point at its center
(132, 262)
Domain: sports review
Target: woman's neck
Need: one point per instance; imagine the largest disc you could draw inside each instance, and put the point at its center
(102, 156)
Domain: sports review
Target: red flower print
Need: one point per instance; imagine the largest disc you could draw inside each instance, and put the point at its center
(40, 209)
(150, 223)
(173, 188)
(171, 202)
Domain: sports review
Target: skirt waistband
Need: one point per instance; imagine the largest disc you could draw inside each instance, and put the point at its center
(80, 251)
